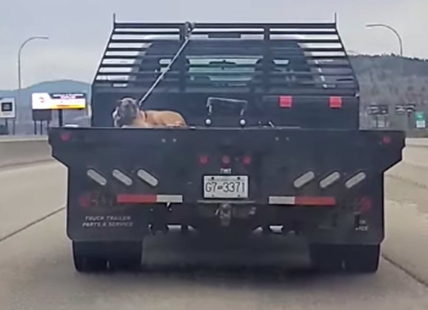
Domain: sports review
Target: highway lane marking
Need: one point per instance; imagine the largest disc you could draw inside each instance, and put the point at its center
(411, 274)
(407, 180)
(423, 221)
(31, 224)
(8, 167)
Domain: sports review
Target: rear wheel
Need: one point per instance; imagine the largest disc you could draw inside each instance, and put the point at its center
(126, 255)
(86, 259)
(326, 257)
(362, 258)
(98, 256)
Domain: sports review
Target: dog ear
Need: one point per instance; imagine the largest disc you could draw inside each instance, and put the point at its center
(125, 101)
(116, 117)
(129, 100)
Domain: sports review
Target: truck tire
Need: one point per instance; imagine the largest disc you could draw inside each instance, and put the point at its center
(99, 256)
(126, 255)
(362, 258)
(326, 257)
(85, 258)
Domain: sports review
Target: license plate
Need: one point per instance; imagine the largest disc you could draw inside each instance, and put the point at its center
(226, 186)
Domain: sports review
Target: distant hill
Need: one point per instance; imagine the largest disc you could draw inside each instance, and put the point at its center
(392, 80)
(48, 86)
(384, 79)
(389, 79)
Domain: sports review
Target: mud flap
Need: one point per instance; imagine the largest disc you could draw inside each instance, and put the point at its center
(128, 224)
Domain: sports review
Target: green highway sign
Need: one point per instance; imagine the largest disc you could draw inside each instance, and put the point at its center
(420, 120)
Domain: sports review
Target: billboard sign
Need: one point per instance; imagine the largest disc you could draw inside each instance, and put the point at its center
(58, 101)
(400, 109)
(410, 107)
(7, 108)
(378, 109)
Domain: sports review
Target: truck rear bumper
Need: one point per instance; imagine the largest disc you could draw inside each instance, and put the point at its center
(317, 225)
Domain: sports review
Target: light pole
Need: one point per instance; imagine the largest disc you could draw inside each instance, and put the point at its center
(19, 71)
(400, 41)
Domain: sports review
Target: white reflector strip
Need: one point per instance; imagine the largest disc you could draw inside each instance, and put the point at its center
(303, 200)
(96, 177)
(147, 177)
(304, 179)
(169, 198)
(119, 175)
(355, 179)
(326, 182)
(282, 200)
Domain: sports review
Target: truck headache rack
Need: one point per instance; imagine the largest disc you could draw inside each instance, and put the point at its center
(268, 58)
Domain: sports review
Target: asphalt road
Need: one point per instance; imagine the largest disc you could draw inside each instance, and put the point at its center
(36, 269)
(29, 192)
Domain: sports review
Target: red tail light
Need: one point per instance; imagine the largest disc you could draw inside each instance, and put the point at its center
(335, 102)
(365, 204)
(246, 160)
(203, 159)
(285, 101)
(65, 136)
(91, 199)
(225, 160)
(85, 200)
(386, 139)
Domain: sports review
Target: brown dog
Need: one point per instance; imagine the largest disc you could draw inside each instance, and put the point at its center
(128, 114)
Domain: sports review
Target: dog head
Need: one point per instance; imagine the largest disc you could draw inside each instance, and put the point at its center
(126, 112)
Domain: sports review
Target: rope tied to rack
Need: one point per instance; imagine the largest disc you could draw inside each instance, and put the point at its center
(188, 31)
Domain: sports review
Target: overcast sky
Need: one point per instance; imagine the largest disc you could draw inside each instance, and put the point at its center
(79, 29)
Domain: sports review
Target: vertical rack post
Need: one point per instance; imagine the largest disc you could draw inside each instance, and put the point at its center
(60, 118)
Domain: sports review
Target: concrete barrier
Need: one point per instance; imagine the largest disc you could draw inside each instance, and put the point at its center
(17, 150)
(416, 152)
(417, 142)
(414, 174)
(23, 138)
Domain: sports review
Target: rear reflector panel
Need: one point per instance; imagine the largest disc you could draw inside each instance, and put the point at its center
(329, 180)
(316, 201)
(335, 102)
(307, 201)
(148, 199)
(304, 179)
(147, 177)
(285, 101)
(97, 177)
(121, 177)
(356, 179)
